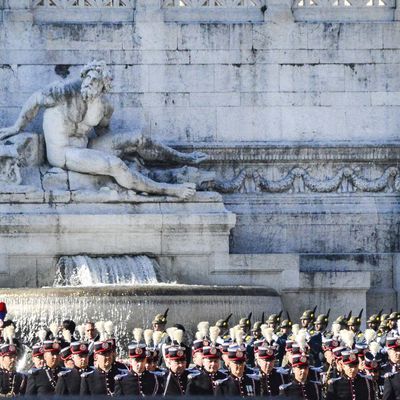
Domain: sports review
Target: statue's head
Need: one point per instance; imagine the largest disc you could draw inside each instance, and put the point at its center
(96, 79)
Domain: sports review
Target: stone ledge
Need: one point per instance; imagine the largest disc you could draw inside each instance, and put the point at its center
(213, 15)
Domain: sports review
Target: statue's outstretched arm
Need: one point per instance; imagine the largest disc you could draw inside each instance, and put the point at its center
(29, 111)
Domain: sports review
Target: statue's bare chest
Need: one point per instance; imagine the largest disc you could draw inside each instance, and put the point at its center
(94, 113)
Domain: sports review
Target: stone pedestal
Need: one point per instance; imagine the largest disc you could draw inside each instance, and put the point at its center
(187, 238)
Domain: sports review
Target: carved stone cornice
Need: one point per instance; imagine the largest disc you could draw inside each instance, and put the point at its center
(296, 152)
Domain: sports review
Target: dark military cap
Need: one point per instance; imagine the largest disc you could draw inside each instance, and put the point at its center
(274, 318)
(337, 352)
(393, 342)
(224, 347)
(161, 319)
(309, 314)
(267, 352)
(37, 350)
(137, 350)
(52, 346)
(300, 360)
(8, 350)
(373, 361)
(360, 349)
(66, 353)
(375, 318)
(211, 352)
(323, 319)
(329, 343)
(257, 344)
(152, 354)
(198, 345)
(245, 322)
(223, 323)
(176, 353)
(79, 348)
(102, 347)
(236, 353)
(289, 345)
(349, 357)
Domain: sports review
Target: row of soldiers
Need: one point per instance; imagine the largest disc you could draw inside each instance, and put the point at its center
(272, 357)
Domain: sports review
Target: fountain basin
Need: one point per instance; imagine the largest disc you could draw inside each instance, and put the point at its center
(135, 306)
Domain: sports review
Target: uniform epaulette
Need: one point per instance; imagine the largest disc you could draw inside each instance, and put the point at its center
(34, 371)
(64, 372)
(317, 369)
(333, 380)
(281, 370)
(219, 381)
(158, 373)
(256, 377)
(123, 370)
(285, 386)
(193, 374)
(316, 382)
(365, 376)
(119, 377)
(390, 374)
(86, 374)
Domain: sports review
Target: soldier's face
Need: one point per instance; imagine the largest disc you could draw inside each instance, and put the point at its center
(138, 365)
(158, 327)
(104, 361)
(329, 356)
(225, 359)
(51, 359)
(90, 331)
(81, 361)
(211, 365)
(177, 366)
(257, 334)
(304, 323)
(392, 324)
(69, 363)
(394, 356)
(271, 325)
(237, 368)
(38, 361)
(300, 373)
(266, 366)
(198, 359)
(9, 362)
(151, 365)
(319, 327)
(353, 328)
(351, 370)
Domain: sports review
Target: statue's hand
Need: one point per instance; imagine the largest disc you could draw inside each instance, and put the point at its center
(198, 157)
(7, 132)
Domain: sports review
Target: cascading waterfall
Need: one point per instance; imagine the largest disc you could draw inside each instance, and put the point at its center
(88, 271)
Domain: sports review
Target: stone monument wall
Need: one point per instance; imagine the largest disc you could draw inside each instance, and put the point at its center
(297, 104)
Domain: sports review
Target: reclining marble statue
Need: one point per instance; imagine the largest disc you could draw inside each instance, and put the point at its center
(73, 110)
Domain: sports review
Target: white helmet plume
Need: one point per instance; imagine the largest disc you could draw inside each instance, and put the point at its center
(268, 334)
(347, 338)
(336, 329)
(41, 334)
(301, 339)
(9, 334)
(170, 332)
(375, 348)
(157, 336)
(99, 325)
(214, 333)
(178, 336)
(138, 334)
(369, 335)
(148, 335)
(66, 334)
(54, 328)
(295, 329)
(109, 328)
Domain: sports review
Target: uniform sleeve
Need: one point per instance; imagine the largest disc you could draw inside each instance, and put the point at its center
(22, 389)
(219, 390)
(118, 391)
(84, 391)
(61, 389)
(388, 391)
(190, 388)
(31, 385)
(330, 395)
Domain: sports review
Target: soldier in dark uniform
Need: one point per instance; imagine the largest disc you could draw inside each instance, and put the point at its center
(204, 382)
(354, 324)
(374, 320)
(315, 342)
(271, 378)
(137, 381)
(177, 377)
(91, 336)
(197, 357)
(223, 325)
(285, 330)
(245, 325)
(66, 357)
(307, 320)
(101, 379)
(351, 385)
(273, 321)
(37, 356)
(392, 377)
(237, 383)
(12, 383)
(43, 381)
(372, 367)
(69, 380)
(152, 357)
(301, 386)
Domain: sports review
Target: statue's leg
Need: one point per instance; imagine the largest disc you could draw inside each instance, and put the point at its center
(123, 144)
(96, 162)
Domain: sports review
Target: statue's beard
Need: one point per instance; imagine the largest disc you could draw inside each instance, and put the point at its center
(89, 94)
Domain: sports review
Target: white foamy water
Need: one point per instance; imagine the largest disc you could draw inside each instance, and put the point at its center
(98, 271)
